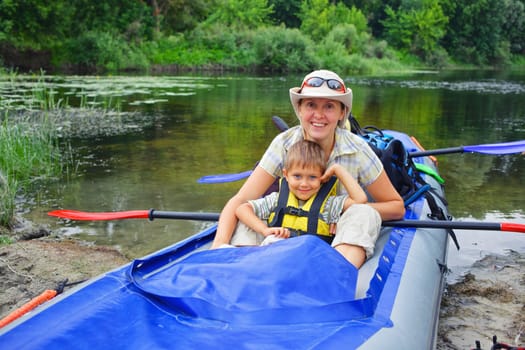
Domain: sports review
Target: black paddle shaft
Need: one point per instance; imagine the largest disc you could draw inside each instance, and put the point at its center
(436, 152)
(465, 225)
(157, 214)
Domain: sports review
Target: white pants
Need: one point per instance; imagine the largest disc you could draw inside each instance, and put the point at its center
(359, 225)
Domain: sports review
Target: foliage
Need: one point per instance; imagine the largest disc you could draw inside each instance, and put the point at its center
(285, 12)
(5, 240)
(278, 48)
(104, 50)
(319, 17)
(416, 27)
(39, 24)
(374, 10)
(7, 199)
(348, 36)
(245, 14)
(34, 23)
(163, 50)
(513, 27)
(132, 19)
(27, 153)
(112, 35)
(175, 16)
(476, 31)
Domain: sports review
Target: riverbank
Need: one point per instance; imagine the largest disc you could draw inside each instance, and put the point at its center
(488, 301)
(30, 266)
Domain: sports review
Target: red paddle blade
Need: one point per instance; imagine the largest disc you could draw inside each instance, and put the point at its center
(83, 215)
(512, 227)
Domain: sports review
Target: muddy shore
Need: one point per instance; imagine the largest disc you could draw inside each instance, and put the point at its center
(489, 300)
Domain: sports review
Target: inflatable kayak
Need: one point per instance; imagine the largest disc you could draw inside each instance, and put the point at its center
(294, 294)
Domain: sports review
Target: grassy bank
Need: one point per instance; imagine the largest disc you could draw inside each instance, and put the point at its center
(29, 154)
(29, 145)
(35, 128)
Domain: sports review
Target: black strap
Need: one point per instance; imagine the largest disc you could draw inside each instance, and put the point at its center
(282, 201)
(436, 213)
(312, 214)
(354, 126)
(315, 210)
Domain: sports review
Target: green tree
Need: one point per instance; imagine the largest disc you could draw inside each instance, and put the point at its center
(173, 16)
(132, 18)
(6, 19)
(475, 34)
(513, 29)
(241, 14)
(416, 27)
(34, 23)
(374, 11)
(286, 12)
(319, 18)
(284, 49)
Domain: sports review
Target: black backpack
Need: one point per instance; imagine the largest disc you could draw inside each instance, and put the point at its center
(398, 165)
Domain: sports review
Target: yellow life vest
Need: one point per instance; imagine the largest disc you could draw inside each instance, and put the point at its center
(306, 219)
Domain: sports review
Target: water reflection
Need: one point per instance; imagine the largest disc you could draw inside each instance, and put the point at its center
(491, 86)
(174, 129)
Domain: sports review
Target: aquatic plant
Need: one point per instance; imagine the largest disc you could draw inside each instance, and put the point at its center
(28, 154)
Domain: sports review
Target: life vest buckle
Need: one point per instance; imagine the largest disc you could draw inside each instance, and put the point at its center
(296, 211)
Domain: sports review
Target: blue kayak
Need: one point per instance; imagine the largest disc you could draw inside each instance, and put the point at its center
(294, 294)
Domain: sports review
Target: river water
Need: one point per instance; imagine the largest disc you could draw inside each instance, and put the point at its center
(171, 130)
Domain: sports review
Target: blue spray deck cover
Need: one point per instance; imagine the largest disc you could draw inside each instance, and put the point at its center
(284, 283)
(294, 294)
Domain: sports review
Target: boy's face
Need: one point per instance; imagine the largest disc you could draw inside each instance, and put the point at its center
(303, 182)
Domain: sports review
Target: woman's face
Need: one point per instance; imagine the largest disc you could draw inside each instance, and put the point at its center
(319, 118)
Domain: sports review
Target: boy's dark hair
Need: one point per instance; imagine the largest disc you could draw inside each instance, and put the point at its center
(305, 153)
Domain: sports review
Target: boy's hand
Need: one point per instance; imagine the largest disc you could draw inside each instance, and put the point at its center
(281, 232)
(333, 228)
(334, 170)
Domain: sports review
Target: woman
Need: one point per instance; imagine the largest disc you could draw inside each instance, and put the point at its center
(323, 104)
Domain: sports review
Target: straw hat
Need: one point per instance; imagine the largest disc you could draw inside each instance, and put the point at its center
(323, 91)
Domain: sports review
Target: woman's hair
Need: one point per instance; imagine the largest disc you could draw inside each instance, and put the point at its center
(304, 154)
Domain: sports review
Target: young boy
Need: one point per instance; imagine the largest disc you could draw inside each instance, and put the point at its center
(306, 202)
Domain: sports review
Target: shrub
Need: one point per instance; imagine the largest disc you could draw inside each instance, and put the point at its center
(333, 55)
(282, 49)
(346, 35)
(103, 50)
(319, 16)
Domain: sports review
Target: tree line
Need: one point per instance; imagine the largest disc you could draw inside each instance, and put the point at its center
(274, 35)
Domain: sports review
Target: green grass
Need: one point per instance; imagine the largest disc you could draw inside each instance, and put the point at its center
(28, 154)
(5, 240)
(30, 151)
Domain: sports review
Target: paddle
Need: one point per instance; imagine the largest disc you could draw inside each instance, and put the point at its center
(200, 216)
(491, 149)
(221, 178)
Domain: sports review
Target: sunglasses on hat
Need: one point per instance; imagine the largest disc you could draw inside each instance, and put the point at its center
(333, 84)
